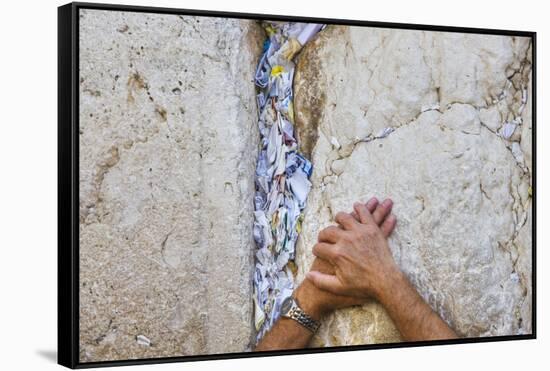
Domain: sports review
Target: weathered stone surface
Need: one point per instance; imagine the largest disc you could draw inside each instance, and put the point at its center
(168, 146)
(168, 143)
(461, 195)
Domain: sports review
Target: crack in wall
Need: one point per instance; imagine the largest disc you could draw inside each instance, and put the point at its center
(509, 103)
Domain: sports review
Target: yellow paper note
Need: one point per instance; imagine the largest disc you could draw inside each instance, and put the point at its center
(277, 70)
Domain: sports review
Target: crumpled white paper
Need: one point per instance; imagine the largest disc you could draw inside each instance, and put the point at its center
(282, 173)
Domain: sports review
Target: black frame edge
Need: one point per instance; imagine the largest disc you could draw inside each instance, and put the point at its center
(304, 351)
(274, 17)
(68, 184)
(67, 253)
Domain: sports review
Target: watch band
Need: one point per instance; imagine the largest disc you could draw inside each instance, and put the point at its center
(296, 313)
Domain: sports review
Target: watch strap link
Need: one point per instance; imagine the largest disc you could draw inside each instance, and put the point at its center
(297, 314)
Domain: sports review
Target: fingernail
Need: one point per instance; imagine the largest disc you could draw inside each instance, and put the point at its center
(373, 201)
(387, 202)
(356, 205)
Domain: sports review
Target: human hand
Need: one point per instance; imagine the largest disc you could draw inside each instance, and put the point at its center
(359, 252)
(318, 302)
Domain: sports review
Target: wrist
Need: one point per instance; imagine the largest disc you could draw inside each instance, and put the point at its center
(393, 283)
(306, 300)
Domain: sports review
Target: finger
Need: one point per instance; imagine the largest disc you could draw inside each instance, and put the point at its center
(326, 282)
(330, 234)
(389, 225)
(364, 214)
(324, 251)
(371, 205)
(322, 265)
(345, 220)
(382, 211)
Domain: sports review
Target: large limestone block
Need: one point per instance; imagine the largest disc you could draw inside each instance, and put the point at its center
(461, 190)
(168, 144)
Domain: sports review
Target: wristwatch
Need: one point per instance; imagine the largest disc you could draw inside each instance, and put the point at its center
(291, 309)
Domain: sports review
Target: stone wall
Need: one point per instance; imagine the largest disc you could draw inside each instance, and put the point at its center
(168, 144)
(461, 190)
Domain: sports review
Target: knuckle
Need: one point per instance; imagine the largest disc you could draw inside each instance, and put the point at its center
(348, 237)
(335, 231)
(370, 230)
(323, 235)
(339, 253)
(359, 236)
(315, 249)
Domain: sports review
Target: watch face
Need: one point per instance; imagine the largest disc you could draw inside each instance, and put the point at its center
(287, 304)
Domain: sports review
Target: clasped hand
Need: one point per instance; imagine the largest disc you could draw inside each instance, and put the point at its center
(353, 259)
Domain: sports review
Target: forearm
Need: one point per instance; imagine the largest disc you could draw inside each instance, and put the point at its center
(412, 316)
(286, 333)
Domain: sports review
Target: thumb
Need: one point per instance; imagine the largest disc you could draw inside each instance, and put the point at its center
(326, 282)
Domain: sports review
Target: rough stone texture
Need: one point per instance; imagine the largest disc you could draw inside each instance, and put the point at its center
(461, 196)
(168, 144)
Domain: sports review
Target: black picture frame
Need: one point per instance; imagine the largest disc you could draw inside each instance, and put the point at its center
(68, 182)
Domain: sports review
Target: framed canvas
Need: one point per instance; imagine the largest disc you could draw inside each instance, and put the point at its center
(240, 185)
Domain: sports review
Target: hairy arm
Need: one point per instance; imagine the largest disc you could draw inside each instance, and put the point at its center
(289, 334)
(364, 267)
(412, 316)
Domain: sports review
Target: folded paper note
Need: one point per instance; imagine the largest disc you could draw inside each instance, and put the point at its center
(282, 174)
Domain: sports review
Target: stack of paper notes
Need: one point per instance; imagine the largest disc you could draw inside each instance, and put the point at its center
(282, 173)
